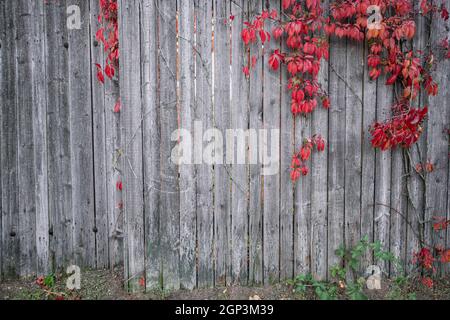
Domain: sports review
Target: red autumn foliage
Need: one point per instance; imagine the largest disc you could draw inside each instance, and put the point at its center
(402, 130)
(298, 166)
(440, 223)
(305, 29)
(108, 35)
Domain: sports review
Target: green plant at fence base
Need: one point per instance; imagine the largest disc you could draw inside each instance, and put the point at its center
(350, 266)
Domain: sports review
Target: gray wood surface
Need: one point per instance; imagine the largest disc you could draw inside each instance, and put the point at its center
(353, 130)
(338, 88)
(100, 157)
(271, 120)
(168, 103)
(383, 174)
(222, 118)
(188, 180)
(255, 194)
(151, 144)
(9, 177)
(437, 193)
(64, 149)
(239, 121)
(287, 149)
(132, 144)
(205, 173)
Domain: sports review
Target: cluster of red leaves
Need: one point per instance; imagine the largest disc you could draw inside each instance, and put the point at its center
(402, 130)
(440, 223)
(446, 46)
(302, 33)
(387, 55)
(304, 29)
(108, 35)
(298, 166)
(427, 258)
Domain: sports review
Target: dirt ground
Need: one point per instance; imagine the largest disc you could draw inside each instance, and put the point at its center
(107, 285)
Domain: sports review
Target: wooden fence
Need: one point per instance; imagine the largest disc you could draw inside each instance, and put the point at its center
(63, 150)
(58, 141)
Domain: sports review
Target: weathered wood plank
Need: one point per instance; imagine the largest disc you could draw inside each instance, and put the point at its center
(114, 164)
(132, 143)
(222, 197)
(204, 113)
(319, 192)
(415, 182)
(302, 196)
(80, 109)
(255, 196)
(2, 86)
(170, 198)
(26, 169)
(271, 163)
(353, 133)
(397, 244)
(8, 144)
(287, 149)
(188, 181)
(239, 123)
(99, 145)
(383, 173)
(368, 162)
(58, 129)
(336, 147)
(152, 142)
(40, 138)
(437, 139)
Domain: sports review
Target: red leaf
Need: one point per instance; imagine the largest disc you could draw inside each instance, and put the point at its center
(119, 185)
(109, 71)
(117, 107)
(100, 76)
(99, 35)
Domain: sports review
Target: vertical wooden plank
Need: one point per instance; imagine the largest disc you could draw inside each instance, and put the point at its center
(397, 244)
(101, 230)
(58, 135)
(188, 181)
(203, 113)
(8, 144)
(319, 192)
(287, 145)
(40, 138)
(25, 141)
(271, 119)
(336, 147)
(353, 135)
(303, 227)
(170, 198)
(383, 173)
(80, 109)
(151, 148)
(415, 182)
(239, 123)
(255, 196)
(114, 164)
(132, 123)
(368, 161)
(2, 86)
(437, 139)
(222, 195)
